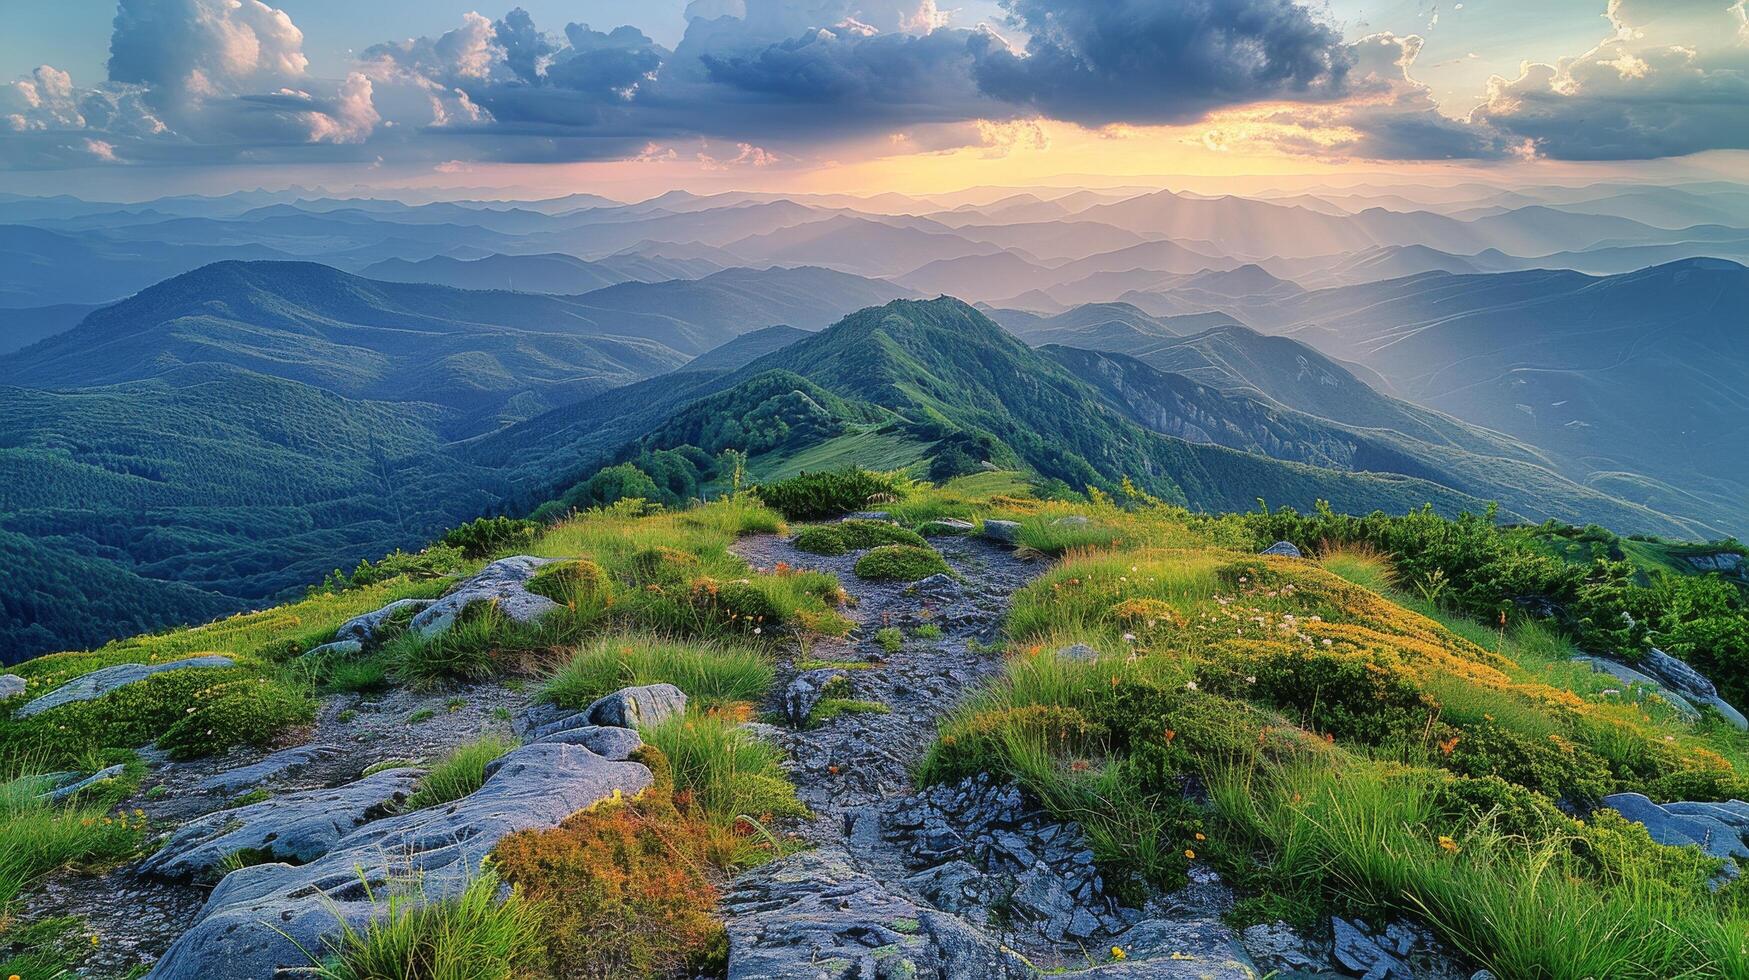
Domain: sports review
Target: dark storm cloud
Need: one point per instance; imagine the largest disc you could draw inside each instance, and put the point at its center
(1143, 61)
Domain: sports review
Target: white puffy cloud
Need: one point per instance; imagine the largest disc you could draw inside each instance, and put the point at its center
(1672, 78)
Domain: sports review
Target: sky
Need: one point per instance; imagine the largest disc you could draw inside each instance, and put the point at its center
(635, 96)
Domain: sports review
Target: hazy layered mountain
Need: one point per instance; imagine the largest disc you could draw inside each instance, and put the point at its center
(858, 245)
(551, 273)
(1640, 373)
(23, 327)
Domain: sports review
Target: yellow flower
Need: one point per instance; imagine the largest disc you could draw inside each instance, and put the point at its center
(1117, 953)
(1190, 854)
(1199, 836)
(94, 939)
(1448, 845)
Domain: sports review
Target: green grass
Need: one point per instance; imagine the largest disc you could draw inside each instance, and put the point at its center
(459, 773)
(711, 674)
(474, 936)
(38, 838)
(724, 770)
(1364, 568)
(890, 639)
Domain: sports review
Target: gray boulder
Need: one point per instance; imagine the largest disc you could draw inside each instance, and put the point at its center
(264, 918)
(1285, 549)
(11, 686)
(943, 527)
(1002, 532)
(1277, 946)
(100, 682)
(278, 764)
(298, 827)
(869, 515)
(364, 629)
(616, 744)
(1691, 684)
(504, 582)
(630, 707)
(101, 776)
(339, 648)
(803, 693)
(814, 916)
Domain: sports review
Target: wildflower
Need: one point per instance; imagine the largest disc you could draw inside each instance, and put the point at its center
(94, 939)
(1327, 641)
(1448, 845)
(1190, 685)
(1117, 953)
(1200, 837)
(833, 769)
(1446, 747)
(1170, 735)
(1129, 637)
(1189, 854)
(1250, 678)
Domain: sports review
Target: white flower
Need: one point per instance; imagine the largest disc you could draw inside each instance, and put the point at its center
(1250, 678)
(1327, 641)
(1190, 685)
(758, 630)
(1129, 637)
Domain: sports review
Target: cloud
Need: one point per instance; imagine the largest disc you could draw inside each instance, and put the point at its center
(1671, 79)
(189, 81)
(1098, 62)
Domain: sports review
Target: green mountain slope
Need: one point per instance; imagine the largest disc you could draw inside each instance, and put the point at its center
(945, 378)
(1178, 406)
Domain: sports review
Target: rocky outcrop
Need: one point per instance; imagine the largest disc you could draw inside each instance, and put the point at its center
(1728, 562)
(631, 707)
(1283, 549)
(1691, 684)
(281, 763)
(11, 686)
(264, 918)
(296, 827)
(503, 583)
(1719, 829)
(814, 915)
(369, 627)
(1683, 687)
(96, 684)
(945, 527)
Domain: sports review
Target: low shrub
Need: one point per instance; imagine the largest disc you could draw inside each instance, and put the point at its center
(625, 888)
(860, 534)
(821, 539)
(814, 496)
(459, 773)
(661, 566)
(487, 536)
(711, 674)
(890, 639)
(901, 563)
(476, 935)
(241, 712)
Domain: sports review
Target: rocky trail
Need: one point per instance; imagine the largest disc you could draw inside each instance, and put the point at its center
(955, 881)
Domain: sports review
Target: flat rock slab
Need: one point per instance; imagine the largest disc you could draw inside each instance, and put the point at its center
(1178, 949)
(616, 744)
(813, 916)
(261, 919)
(504, 582)
(1628, 675)
(295, 827)
(1283, 549)
(96, 684)
(281, 763)
(79, 786)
